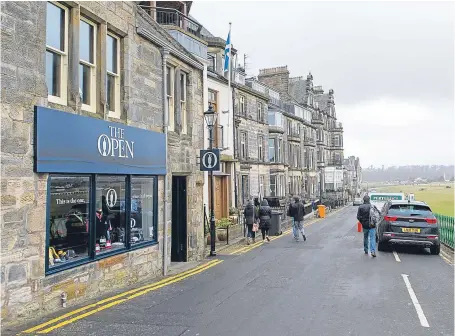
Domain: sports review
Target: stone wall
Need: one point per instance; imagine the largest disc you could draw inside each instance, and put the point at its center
(25, 290)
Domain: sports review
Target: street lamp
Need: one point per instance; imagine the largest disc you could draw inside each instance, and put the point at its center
(210, 119)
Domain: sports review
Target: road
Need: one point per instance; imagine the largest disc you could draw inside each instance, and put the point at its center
(324, 286)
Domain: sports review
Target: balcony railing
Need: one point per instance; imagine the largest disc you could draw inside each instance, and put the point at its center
(172, 17)
(317, 121)
(309, 141)
(335, 163)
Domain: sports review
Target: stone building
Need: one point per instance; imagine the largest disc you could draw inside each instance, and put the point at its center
(89, 92)
(302, 170)
(220, 98)
(252, 137)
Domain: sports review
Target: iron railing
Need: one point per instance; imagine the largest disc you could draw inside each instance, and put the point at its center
(173, 17)
(446, 228)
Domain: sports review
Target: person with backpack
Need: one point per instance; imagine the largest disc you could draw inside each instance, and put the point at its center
(297, 212)
(368, 216)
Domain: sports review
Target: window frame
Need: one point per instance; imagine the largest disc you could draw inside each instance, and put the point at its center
(91, 107)
(117, 113)
(92, 257)
(260, 112)
(242, 105)
(243, 145)
(63, 99)
(170, 97)
(261, 148)
(183, 105)
(272, 159)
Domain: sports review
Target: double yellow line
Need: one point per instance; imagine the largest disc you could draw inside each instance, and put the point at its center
(446, 257)
(94, 308)
(248, 248)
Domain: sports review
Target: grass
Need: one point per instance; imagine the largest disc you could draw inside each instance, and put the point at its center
(436, 195)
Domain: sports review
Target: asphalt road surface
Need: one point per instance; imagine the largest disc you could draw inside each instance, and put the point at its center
(324, 286)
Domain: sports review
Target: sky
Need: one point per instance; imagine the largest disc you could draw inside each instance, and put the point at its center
(390, 64)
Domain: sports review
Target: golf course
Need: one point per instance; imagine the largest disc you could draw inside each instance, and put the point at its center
(439, 196)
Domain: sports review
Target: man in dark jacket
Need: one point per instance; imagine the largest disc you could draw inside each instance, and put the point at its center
(363, 216)
(250, 215)
(297, 212)
(265, 215)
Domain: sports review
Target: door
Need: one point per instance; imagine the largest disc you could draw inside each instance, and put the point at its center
(179, 214)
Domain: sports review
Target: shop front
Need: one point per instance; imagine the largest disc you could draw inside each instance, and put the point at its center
(102, 187)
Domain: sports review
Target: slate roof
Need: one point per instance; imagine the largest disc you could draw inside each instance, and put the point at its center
(297, 89)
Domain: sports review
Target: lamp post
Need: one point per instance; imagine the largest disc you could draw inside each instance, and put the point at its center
(210, 119)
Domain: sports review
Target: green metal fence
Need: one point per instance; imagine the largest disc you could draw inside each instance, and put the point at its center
(446, 226)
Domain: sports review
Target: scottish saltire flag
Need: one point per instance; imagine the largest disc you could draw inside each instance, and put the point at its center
(227, 52)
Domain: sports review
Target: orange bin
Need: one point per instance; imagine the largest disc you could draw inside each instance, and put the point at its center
(321, 209)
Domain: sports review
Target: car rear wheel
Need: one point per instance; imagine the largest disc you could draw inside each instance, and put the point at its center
(435, 250)
(382, 246)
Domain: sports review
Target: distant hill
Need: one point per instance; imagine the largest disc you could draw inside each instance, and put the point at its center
(408, 173)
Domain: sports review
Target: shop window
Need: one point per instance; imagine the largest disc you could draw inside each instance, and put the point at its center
(69, 219)
(143, 217)
(87, 64)
(57, 52)
(110, 213)
(113, 75)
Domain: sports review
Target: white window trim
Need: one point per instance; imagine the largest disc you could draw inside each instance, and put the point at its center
(117, 112)
(170, 98)
(242, 105)
(260, 112)
(183, 109)
(93, 87)
(260, 148)
(63, 99)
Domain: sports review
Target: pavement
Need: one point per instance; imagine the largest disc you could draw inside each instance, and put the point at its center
(324, 286)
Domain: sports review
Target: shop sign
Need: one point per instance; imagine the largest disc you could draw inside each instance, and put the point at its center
(70, 143)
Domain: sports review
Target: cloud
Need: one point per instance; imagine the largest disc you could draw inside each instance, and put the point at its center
(390, 63)
(390, 132)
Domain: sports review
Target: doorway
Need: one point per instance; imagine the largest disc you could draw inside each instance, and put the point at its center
(179, 215)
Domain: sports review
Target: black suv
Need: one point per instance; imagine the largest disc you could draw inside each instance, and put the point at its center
(408, 223)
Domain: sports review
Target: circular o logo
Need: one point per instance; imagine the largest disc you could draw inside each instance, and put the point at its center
(111, 198)
(209, 160)
(104, 145)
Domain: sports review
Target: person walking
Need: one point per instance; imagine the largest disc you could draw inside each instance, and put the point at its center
(265, 215)
(366, 215)
(297, 212)
(250, 216)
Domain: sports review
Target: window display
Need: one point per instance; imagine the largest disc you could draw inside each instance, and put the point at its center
(69, 219)
(110, 213)
(142, 220)
(88, 216)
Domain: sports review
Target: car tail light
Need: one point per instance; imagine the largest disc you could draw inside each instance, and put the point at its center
(431, 220)
(389, 235)
(432, 237)
(390, 219)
